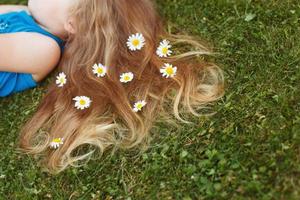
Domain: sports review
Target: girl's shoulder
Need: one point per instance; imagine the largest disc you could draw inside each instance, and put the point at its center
(4, 9)
(28, 52)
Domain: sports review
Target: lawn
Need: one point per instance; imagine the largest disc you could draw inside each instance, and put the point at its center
(250, 149)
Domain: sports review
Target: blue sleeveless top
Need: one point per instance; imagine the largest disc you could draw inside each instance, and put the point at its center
(20, 21)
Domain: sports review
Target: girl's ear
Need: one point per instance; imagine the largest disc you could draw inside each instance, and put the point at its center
(70, 26)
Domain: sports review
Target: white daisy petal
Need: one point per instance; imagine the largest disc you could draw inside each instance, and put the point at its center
(136, 42)
(126, 77)
(100, 70)
(164, 49)
(168, 70)
(82, 102)
(56, 142)
(61, 79)
(139, 105)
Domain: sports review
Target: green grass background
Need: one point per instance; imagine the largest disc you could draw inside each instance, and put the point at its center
(248, 150)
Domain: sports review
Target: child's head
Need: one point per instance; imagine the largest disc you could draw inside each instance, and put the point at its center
(102, 30)
(53, 14)
(64, 16)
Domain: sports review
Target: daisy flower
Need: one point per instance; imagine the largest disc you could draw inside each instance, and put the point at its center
(56, 142)
(126, 77)
(61, 79)
(136, 42)
(82, 102)
(139, 105)
(168, 70)
(99, 70)
(164, 49)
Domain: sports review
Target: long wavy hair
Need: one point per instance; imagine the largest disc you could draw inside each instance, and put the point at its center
(102, 29)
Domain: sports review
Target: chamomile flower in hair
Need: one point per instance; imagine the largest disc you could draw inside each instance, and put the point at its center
(56, 142)
(168, 70)
(164, 49)
(136, 42)
(82, 102)
(126, 77)
(139, 105)
(61, 79)
(99, 70)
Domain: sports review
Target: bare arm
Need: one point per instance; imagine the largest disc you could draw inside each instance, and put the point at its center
(10, 8)
(28, 53)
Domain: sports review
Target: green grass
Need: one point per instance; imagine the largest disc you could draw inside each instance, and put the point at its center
(249, 150)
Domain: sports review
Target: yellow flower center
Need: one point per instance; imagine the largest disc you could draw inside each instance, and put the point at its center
(139, 106)
(62, 80)
(169, 70)
(82, 102)
(165, 50)
(57, 140)
(126, 78)
(100, 70)
(135, 42)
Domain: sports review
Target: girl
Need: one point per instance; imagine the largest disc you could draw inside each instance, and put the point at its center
(119, 73)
